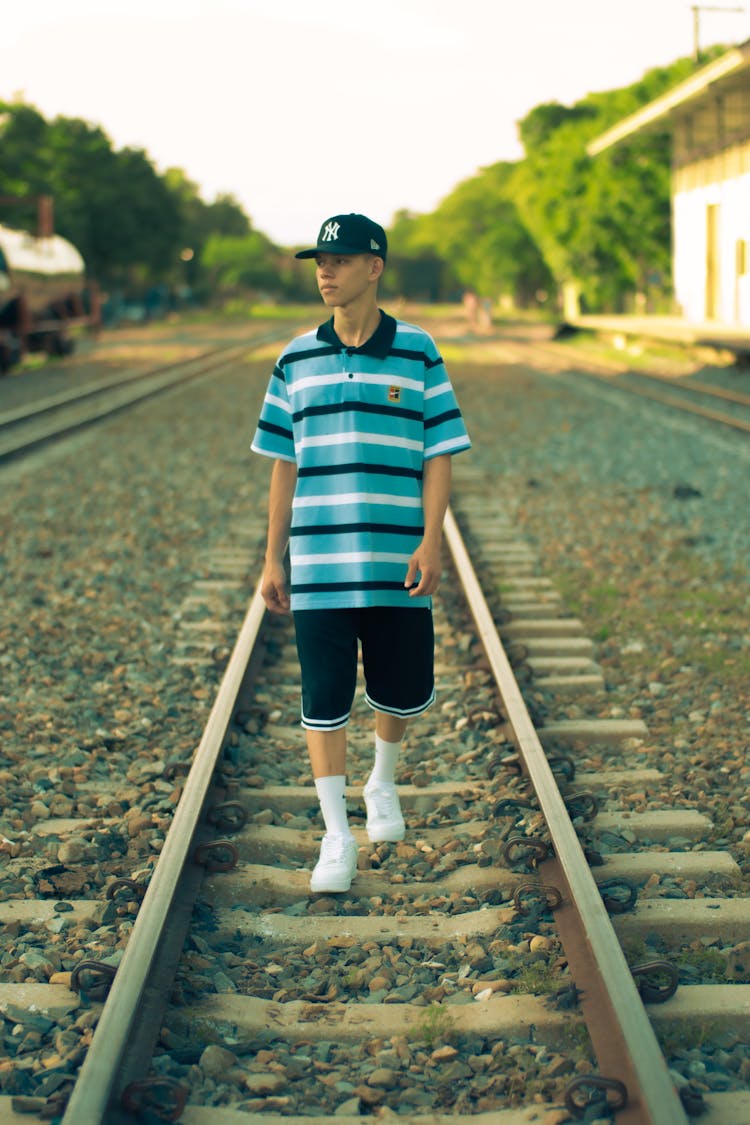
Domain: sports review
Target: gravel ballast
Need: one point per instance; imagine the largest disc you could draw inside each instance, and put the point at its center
(639, 519)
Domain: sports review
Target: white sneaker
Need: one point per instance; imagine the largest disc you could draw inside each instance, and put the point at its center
(337, 865)
(384, 820)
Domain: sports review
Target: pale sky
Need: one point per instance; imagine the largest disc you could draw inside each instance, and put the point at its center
(305, 108)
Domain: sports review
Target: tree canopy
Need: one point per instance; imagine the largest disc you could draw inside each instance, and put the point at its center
(557, 218)
(602, 225)
(134, 226)
(519, 230)
(473, 240)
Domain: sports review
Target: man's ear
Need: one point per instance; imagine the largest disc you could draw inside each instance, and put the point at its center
(377, 266)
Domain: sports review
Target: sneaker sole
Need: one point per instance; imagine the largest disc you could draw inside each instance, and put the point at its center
(330, 889)
(391, 837)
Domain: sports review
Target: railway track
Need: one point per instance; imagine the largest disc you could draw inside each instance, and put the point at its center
(726, 406)
(32, 425)
(729, 409)
(439, 1015)
(445, 985)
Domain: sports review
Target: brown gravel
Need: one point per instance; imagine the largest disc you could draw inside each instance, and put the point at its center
(641, 526)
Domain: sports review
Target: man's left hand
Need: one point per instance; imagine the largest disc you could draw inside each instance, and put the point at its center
(424, 571)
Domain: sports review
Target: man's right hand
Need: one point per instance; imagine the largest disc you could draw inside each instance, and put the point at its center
(274, 590)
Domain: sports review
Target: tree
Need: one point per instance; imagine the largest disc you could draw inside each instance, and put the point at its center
(557, 218)
(241, 264)
(416, 266)
(488, 245)
(549, 187)
(602, 225)
(26, 161)
(132, 225)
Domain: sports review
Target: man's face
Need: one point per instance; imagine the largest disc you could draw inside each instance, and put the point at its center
(344, 278)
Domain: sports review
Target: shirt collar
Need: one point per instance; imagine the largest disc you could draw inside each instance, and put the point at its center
(378, 345)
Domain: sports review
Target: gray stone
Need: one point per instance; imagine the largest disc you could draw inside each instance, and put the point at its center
(215, 1060)
(265, 1082)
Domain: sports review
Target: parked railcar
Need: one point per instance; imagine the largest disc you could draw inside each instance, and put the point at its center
(43, 293)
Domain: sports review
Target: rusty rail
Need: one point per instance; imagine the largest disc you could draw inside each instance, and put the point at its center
(96, 1086)
(624, 1042)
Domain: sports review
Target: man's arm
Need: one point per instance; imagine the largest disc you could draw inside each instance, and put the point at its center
(436, 488)
(280, 495)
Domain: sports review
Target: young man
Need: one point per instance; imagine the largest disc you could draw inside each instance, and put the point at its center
(361, 420)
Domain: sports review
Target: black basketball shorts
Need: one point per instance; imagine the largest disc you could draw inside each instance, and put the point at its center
(397, 659)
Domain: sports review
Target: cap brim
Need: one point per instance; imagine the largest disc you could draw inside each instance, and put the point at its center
(344, 250)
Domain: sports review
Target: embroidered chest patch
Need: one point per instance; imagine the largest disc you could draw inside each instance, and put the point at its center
(394, 394)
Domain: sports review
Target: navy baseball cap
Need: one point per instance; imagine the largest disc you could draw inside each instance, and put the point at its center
(349, 234)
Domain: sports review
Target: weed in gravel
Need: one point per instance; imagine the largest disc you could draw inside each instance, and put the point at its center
(537, 977)
(707, 965)
(689, 1037)
(576, 1043)
(435, 1026)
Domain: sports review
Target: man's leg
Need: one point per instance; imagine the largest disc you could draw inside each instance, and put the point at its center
(337, 866)
(397, 648)
(327, 646)
(389, 730)
(385, 821)
(327, 750)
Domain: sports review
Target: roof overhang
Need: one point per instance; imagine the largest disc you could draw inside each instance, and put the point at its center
(657, 115)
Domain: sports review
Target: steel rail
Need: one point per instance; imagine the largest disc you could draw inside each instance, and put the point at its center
(79, 394)
(678, 403)
(114, 398)
(117, 395)
(674, 401)
(75, 395)
(96, 1084)
(713, 391)
(624, 1042)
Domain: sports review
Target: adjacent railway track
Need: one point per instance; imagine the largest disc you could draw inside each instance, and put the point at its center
(726, 406)
(503, 828)
(33, 425)
(693, 397)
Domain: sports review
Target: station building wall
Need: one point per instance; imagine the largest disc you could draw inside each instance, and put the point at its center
(711, 237)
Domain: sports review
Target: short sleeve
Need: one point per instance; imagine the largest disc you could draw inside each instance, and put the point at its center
(274, 436)
(444, 427)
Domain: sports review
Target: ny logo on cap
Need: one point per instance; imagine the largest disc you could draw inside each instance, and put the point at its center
(331, 232)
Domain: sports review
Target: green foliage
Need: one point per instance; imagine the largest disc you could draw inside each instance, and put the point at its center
(602, 224)
(112, 205)
(537, 978)
(435, 1026)
(486, 243)
(130, 223)
(416, 265)
(474, 240)
(676, 1039)
(237, 263)
(557, 218)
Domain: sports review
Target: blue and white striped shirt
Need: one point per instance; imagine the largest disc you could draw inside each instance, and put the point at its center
(359, 423)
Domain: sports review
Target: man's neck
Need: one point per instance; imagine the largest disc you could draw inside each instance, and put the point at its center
(353, 326)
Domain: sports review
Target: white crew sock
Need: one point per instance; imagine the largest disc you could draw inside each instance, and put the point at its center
(386, 756)
(332, 796)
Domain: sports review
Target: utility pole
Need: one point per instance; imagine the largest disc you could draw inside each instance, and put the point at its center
(697, 9)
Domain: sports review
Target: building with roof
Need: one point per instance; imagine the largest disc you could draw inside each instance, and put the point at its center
(708, 119)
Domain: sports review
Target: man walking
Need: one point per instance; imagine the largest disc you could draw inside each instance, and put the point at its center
(361, 421)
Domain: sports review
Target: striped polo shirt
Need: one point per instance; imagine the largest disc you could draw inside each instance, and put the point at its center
(359, 423)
